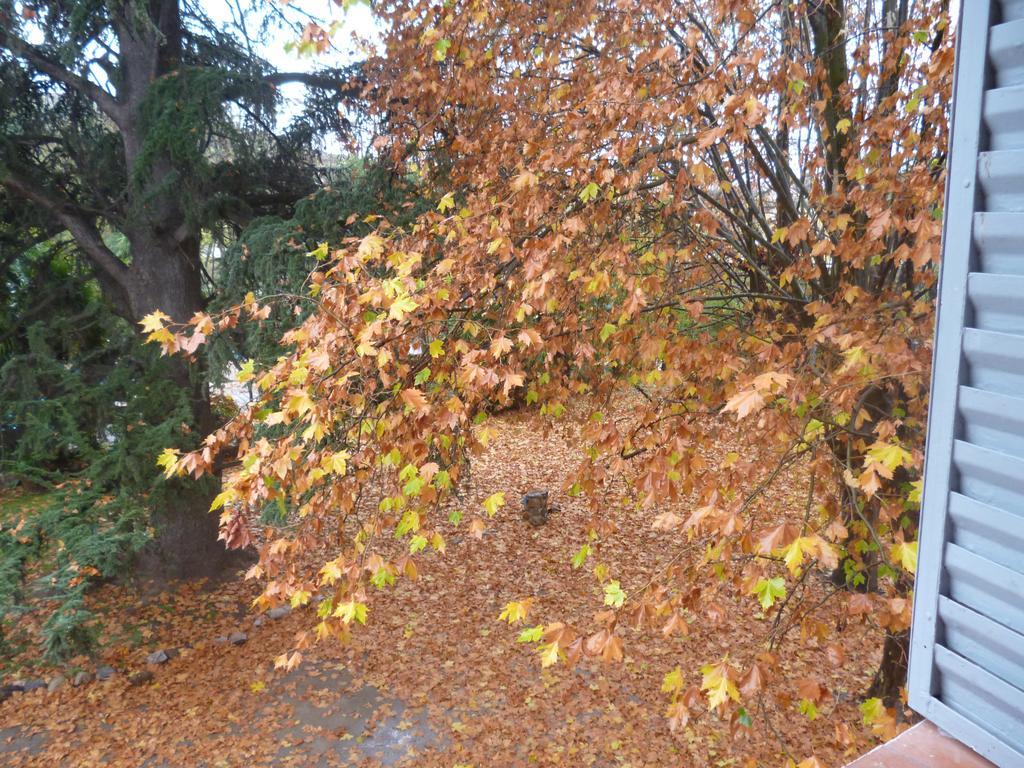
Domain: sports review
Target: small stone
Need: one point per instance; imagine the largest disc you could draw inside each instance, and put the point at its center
(81, 678)
(56, 683)
(259, 621)
(18, 686)
(141, 677)
(237, 638)
(35, 685)
(6, 691)
(158, 657)
(220, 639)
(279, 612)
(105, 673)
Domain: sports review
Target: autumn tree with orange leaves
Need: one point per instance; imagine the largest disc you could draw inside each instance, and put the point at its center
(727, 210)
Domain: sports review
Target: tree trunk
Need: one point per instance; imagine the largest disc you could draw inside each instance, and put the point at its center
(892, 671)
(185, 543)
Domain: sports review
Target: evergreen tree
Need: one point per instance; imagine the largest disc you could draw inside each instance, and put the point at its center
(128, 130)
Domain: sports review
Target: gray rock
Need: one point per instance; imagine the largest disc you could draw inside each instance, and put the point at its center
(279, 612)
(56, 683)
(220, 639)
(82, 678)
(259, 621)
(6, 691)
(35, 685)
(158, 657)
(141, 677)
(17, 686)
(237, 638)
(105, 673)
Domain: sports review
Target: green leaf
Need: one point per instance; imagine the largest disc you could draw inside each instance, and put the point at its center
(417, 543)
(872, 710)
(770, 590)
(531, 634)
(413, 487)
(808, 709)
(589, 192)
(607, 330)
(581, 556)
(382, 577)
(441, 49)
(455, 516)
(614, 595)
(410, 522)
(447, 203)
(422, 376)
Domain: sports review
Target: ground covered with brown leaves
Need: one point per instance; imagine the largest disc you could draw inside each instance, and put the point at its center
(434, 679)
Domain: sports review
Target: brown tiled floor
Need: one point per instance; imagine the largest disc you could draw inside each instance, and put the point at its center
(923, 746)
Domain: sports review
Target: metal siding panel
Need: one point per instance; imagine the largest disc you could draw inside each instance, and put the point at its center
(1001, 176)
(991, 589)
(994, 361)
(1011, 10)
(981, 697)
(992, 420)
(988, 532)
(1003, 113)
(968, 590)
(989, 476)
(999, 240)
(988, 644)
(1006, 52)
(996, 301)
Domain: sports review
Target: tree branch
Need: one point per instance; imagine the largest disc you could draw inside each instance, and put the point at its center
(112, 273)
(107, 103)
(350, 87)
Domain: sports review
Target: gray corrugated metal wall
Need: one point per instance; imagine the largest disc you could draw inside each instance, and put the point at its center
(967, 644)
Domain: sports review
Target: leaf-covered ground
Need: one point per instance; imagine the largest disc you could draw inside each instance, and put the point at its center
(434, 679)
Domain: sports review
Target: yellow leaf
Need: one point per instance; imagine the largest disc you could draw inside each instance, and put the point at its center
(494, 502)
(673, 681)
(168, 460)
(401, 306)
(904, 554)
(350, 611)
(222, 498)
(337, 462)
(160, 336)
(330, 572)
(516, 610)
(154, 321)
(793, 555)
(889, 455)
(718, 684)
(549, 655)
(843, 125)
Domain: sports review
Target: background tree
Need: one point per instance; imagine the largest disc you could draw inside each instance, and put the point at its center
(136, 128)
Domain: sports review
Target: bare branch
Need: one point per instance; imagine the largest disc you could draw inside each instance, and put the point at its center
(107, 103)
